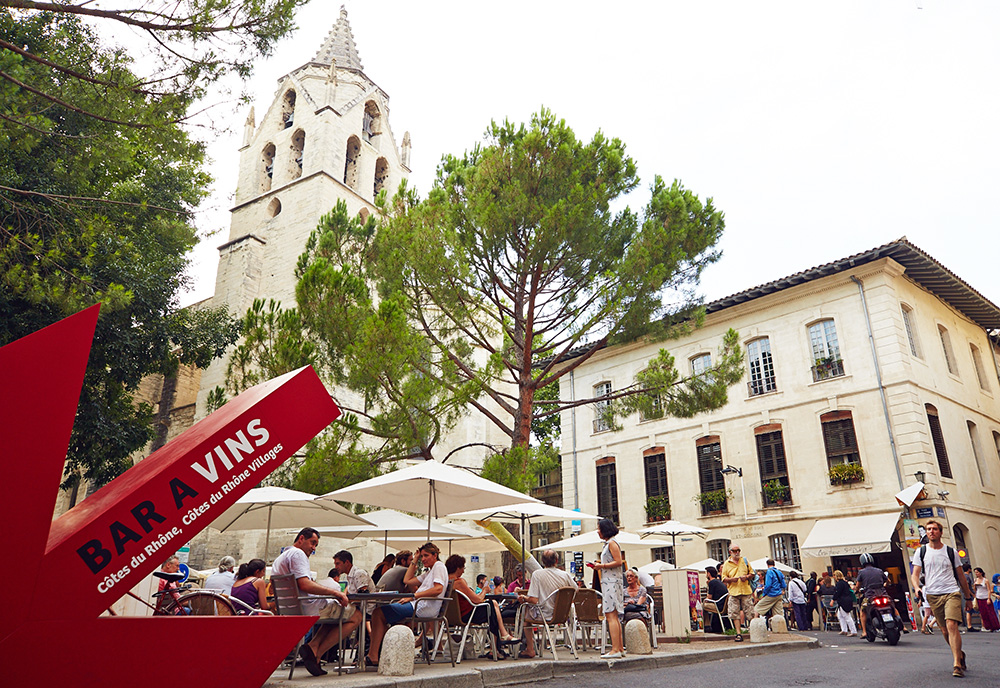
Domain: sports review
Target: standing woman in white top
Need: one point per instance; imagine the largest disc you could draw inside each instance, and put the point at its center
(612, 586)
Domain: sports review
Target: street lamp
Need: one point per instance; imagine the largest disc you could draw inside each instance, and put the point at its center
(731, 470)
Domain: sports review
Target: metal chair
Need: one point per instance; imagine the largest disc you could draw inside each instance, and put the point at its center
(289, 603)
(710, 606)
(453, 617)
(562, 619)
(587, 606)
(438, 623)
(830, 620)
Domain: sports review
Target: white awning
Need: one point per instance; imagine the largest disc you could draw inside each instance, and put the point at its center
(835, 537)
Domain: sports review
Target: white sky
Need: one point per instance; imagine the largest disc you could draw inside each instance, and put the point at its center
(820, 129)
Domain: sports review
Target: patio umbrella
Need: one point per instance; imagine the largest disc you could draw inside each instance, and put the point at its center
(523, 514)
(591, 542)
(761, 564)
(389, 523)
(279, 507)
(673, 529)
(702, 565)
(429, 487)
(462, 540)
(655, 567)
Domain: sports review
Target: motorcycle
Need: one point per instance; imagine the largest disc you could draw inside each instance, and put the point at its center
(881, 621)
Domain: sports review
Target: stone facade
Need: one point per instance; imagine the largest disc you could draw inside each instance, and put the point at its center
(908, 297)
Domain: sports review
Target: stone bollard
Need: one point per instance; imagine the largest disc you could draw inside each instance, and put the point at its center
(758, 630)
(778, 624)
(396, 656)
(637, 638)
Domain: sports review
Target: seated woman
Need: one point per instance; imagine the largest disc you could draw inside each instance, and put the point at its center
(383, 566)
(636, 602)
(249, 586)
(491, 614)
(431, 585)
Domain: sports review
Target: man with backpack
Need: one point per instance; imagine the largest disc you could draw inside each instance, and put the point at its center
(771, 598)
(944, 587)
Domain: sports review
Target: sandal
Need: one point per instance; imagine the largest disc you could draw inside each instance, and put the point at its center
(522, 655)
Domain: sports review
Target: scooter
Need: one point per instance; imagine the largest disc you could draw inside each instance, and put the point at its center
(881, 621)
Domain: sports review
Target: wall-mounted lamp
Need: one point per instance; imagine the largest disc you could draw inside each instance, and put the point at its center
(919, 475)
(731, 470)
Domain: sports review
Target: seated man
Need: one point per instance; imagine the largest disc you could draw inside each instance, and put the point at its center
(171, 565)
(717, 590)
(392, 580)
(358, 580)
(431, 585)
(295, 560)
(541, 592)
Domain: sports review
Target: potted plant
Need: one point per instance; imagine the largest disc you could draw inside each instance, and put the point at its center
(776, 492)
(846, 473)
(657, 509)
(713, 501)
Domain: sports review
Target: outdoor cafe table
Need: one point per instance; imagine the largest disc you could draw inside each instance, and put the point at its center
(379, 599)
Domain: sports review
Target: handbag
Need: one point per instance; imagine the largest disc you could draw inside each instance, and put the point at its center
(634, 608)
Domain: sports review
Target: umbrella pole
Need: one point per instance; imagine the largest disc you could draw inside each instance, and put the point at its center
(430, 498)
(267, 538)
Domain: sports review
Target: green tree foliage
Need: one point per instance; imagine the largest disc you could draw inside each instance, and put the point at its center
(60, 252)
(514, 271)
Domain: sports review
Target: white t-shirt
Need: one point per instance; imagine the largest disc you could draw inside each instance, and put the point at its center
(544, 583)
(222, 581)
(437, 574)
(294, 561)
(939, 577)
(982, 591)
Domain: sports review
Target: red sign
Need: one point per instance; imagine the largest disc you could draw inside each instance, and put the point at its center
(78, 565)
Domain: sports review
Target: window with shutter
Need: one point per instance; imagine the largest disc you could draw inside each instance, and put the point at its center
(773, 467)
(709, 463)
(656, 475)
(937, 437)
(839, 438)
(607, 492)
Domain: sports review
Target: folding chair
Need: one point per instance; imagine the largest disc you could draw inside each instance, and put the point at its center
(453, 616)
(289, 603)
(587, 605)
(710, 606)
(562, 619)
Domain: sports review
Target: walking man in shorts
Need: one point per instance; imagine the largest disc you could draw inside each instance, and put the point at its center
(944, 587)
(736, 573)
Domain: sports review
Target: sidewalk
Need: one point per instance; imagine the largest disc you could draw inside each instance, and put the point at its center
(482, 673)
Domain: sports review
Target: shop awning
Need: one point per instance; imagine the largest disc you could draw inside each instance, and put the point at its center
(836, 537)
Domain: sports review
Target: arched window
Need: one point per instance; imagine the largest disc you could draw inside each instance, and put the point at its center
(381, 175)
(372, 124)
(825, 350)
(288, 109)
(977, 363)
(785, 548)
(761, 367)
(937, 438)
(351, 163)
(718, 549)
(297, 150)
(274, 207)
(607, 489)
(267, 167)
(977, 451)
(949, 353)
(363, 215)
(911, 334)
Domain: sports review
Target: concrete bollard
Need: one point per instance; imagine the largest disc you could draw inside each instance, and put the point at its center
(637, 638)
(778, 624)
(396, 655)
(758, 630)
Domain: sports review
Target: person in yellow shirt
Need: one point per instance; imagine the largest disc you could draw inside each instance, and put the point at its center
(736, 573)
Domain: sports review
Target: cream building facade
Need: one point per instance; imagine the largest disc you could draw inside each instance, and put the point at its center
(861, 376)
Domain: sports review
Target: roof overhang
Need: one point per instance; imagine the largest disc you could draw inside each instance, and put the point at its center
(837, 537)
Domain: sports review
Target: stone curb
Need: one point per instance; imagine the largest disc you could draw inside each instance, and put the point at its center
(506, 674)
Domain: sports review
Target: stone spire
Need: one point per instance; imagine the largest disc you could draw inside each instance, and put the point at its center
(339, 45)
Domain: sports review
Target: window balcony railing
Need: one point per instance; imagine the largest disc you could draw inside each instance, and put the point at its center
(758, 387)
(827, 368)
